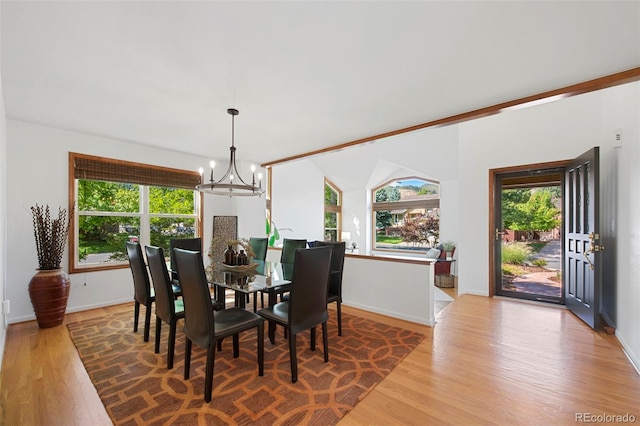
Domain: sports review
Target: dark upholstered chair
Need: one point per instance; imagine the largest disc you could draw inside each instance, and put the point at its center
(289, 247)
(168, 308)
(193, 244)
(307, 304)
(335, 280)
(259, 248)
(203, 326)
(142, 292)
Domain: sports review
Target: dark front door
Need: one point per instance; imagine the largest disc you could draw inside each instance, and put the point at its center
(582, 260)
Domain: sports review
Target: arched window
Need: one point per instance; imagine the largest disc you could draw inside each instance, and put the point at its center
(332, 211)
(406, 214)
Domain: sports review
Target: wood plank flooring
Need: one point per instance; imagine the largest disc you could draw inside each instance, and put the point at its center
(487, 361)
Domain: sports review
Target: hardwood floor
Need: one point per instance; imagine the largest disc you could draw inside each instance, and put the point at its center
(487, 361)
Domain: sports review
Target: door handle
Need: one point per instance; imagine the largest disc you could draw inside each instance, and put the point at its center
(593, 247)
(498, 234)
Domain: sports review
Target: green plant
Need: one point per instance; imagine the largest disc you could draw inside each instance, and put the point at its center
(514, 270)
(539, 262)
(515, 253)
(449, 246)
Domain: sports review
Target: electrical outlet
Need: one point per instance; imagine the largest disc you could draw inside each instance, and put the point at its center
(6, 307)
(617, 138)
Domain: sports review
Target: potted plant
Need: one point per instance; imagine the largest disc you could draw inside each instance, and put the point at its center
(450, 248)
(49, 287)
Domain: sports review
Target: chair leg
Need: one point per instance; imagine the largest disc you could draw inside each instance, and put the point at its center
(339, 312)
(260, 348)
(325, 341)
(187, 358)
(147, 323)
(136, 313)
(293, 356)
(313, 338)
(171, 344)
(236, 345)
(208, 376)
(262, 299)
(272, 332)
(255, 302)
(158, 331)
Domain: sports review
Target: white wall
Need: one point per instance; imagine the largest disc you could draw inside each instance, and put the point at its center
(400, 290)
(298, 201)
(558, 131)
(38, 171)
(3, 216)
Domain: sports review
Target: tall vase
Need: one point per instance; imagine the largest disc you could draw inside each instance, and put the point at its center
(49, 291)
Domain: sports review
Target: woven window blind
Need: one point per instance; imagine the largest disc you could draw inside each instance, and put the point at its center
(106, 169)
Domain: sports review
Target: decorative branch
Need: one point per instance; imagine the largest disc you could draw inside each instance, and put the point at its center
(50, 235)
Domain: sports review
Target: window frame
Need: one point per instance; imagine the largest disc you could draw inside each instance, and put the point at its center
(386, 206)
(330, 208)
(150, 171)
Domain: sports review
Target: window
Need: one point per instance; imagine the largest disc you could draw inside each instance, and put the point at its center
(406, 214)
(117, 201)
(332, 211)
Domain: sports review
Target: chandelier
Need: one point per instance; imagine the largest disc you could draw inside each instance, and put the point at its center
(225, 185)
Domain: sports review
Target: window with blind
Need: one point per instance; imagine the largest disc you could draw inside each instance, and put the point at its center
(117, 201)
(406, 214)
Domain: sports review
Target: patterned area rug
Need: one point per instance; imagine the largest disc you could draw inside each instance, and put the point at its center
(137, 389)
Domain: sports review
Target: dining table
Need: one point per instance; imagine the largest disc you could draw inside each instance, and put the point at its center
(272, 278)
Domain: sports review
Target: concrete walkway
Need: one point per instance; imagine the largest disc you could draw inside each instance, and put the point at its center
(541, 283)
(552, 253)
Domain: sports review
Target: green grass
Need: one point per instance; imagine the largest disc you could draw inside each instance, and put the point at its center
(536, 246)
(388, 239)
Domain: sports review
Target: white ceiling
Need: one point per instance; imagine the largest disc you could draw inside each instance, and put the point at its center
(305, 75)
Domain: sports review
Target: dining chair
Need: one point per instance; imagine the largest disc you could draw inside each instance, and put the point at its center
(168, 308)
(259, 248)
(193, 244)
(307, 304)
(334, 293)
(203, 326)
(143, 294)
(287, 256)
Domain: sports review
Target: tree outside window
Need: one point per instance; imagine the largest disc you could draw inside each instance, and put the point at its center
(407, 214)
(110, 214)
(332, 211)
(118, 201)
